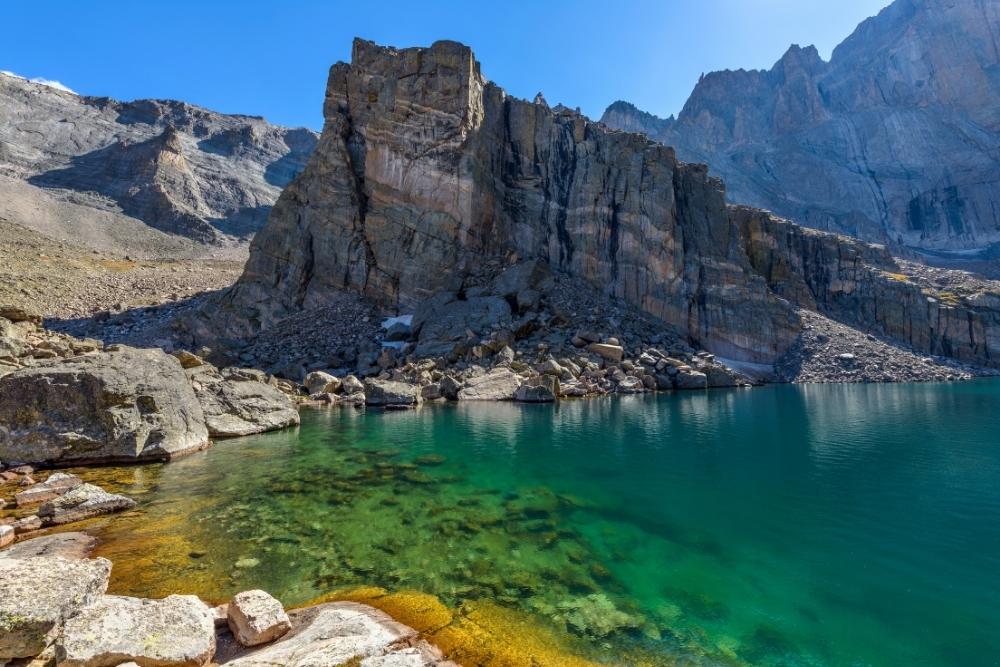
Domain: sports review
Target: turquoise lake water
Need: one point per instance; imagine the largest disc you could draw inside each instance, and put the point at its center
(788, 525)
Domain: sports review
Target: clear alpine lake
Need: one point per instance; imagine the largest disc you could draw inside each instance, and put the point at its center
(787, 525)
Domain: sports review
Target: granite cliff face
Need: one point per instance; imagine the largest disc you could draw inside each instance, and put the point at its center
(424, 170)
(896, 139)
(177, 168)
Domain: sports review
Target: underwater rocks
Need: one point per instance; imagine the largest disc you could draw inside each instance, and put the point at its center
(124, 404)
(56, 485)
(177, 631)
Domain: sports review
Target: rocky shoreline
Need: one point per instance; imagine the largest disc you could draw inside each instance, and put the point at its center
(55, 611)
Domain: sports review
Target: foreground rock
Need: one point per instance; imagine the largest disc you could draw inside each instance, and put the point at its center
(123, 405)
(254, 618)
(341, 632)
(83, 502)
(71, 546)
(39, 594)
(236, 405)
(177, 631)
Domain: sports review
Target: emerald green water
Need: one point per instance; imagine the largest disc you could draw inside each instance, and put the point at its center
(812, 525)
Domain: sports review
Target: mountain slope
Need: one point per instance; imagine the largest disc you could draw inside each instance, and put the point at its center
(188, 172)
(896, 139)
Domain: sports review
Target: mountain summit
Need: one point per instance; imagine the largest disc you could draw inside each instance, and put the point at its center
(896, 139)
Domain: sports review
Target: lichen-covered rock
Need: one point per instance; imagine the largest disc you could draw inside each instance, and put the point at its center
(39, 594)
(500, 384)
(177, 631)
(124, 405)
(240, 407)
(254, 618)
(81, 503)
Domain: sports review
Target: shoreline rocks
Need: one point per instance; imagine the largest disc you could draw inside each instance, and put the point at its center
(254, 618)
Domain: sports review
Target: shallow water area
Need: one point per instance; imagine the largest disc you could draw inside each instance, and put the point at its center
(788, 525)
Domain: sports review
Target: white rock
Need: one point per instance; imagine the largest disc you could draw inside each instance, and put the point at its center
(177, 631)
(254, 617)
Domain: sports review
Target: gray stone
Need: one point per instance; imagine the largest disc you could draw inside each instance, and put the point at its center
(690, 379)
(607, 351)
(236, 408)
(83, 502)
(351, 385)
(386, 393)
(56, 485)
(70, 546)
(534, 394)
(177, 631)
(319, 382)
(39, 594)
(254, 618)
(126, 405)
(500, 384)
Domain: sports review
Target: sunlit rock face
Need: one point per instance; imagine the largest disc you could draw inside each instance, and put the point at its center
(424, 169)
(895, 139)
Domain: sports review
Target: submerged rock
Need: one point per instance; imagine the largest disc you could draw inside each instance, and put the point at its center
(39, 594)
(71, 546)
(125, 405)
(56, 485)
(177, 631)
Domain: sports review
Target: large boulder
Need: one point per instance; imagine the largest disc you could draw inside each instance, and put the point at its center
(39, 594)
(387, 393)
(71, 546)
(125, 405)
(343, 633)
(240, 407)
(83, 502)
(320, 382)
(177, 631)
(444, 320)
(500, 384)
(254, 618)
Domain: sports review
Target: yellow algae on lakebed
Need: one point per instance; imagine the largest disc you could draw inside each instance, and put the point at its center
(477, 634)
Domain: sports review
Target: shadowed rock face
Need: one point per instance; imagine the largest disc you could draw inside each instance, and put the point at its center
(894, 140)
(424, 169)
(179, 168)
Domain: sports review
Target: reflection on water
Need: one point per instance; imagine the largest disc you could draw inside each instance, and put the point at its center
(842, 525)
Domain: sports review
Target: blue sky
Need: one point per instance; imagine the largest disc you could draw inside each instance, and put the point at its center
(272, 58)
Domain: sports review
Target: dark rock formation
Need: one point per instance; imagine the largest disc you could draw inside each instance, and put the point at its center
(424, 170)
(180, 169)
(896, 139)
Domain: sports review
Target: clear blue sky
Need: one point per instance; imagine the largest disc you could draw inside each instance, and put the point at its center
(272, 58)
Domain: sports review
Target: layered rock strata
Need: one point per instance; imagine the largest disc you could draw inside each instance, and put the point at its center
(424, 170)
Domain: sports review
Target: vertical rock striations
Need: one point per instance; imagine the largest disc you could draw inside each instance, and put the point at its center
(424, 170)
(895, 139)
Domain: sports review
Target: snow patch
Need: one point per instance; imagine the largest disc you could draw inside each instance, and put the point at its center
(402, 319)
(51, 83)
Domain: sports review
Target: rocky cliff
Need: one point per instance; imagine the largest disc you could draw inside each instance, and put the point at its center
(177, 168)
(427, 176)
(896, 139)
(424, 170)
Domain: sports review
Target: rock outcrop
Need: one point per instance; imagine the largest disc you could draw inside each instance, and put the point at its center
(122, 405)
(895, 139)
(424, 170)
(178, 168)
(235, 405)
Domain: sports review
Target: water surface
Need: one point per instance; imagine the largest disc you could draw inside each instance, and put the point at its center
(806, 525)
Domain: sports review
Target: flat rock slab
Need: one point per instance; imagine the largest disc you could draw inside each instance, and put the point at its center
(81, 503)
(125, 405)
(39, 594)
(177, 631)
(500, 384)
(71, 546)
(56, 485)
(255, 618)
(336, 633)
